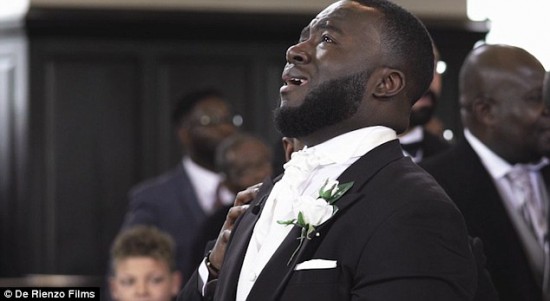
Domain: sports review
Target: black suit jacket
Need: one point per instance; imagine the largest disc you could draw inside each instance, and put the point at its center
(463, 176)
(397, 236)
(432, 145)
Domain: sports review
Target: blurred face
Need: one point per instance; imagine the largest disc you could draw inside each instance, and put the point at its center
(519, 113)
(324, 78)
(424, 108)
(208, 124)
(250, 165)
(144, 279)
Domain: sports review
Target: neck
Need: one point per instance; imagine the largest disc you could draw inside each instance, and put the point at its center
(203, 162)
(325, 134)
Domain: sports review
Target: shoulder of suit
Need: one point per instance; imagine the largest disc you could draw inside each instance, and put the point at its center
(162, 182)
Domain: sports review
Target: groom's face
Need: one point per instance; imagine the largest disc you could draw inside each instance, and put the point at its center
(326, 72)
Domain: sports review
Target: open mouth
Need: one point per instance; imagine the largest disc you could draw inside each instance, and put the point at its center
(294, 81)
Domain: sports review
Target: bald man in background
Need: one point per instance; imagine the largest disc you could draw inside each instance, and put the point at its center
(503, 113)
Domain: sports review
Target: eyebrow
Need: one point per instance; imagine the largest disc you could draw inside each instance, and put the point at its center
(325, 24)
(320, 25)
(304, 33)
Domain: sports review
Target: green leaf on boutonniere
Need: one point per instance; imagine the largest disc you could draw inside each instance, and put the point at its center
(340, 191)
(301, 220)
(288, 222)
(312, 212)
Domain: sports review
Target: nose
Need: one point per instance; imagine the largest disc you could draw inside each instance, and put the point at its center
(142, 288)
(297, 54)
(226, 129)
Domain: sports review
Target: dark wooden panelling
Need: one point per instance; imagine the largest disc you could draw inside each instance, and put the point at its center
(101, 123)
(94, 149)
(7, 167)
(88, 140)
(13, 144)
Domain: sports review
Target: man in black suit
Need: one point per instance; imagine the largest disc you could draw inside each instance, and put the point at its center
(179, 200)
(504, 116)
(389, 231)
(417, 141)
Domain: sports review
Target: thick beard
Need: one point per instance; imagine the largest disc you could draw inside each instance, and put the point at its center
(330, 103)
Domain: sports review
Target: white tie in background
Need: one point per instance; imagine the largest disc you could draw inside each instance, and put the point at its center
(533, 211)
(531, 208)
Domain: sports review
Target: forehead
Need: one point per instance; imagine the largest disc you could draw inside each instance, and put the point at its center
(140, 265)
(344, 14)
(520, 79)
(212, 104)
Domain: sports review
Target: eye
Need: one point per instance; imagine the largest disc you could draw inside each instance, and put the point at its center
(535, 98)
(157, 279)
(326, 39)
(127, 282)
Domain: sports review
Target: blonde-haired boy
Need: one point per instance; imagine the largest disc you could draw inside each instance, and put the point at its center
(143, 266)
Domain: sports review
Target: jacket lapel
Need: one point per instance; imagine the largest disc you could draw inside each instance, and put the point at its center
(238, 244)
(365, 168)
(279, 269)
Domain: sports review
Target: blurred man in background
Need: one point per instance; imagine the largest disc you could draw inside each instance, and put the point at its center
(178, 201)
(418, 142)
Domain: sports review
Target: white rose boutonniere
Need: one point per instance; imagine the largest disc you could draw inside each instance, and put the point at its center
(312, 212)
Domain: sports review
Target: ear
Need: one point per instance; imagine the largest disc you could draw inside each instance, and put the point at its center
(482, 108)
(176, 283)
(391, 82)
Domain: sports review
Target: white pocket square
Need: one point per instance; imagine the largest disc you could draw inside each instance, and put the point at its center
(316, 264)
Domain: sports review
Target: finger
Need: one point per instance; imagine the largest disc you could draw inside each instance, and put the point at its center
(225, 235)
(247, 195)
(233, 214)
(255, 186)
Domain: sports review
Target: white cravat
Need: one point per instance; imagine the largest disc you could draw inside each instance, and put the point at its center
(268, 234)
(304, 174)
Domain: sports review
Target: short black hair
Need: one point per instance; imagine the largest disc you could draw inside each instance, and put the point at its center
(408, 43)
(188, 101)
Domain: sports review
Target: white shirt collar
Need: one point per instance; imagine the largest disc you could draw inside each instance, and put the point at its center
(416, 134)
(495, 165)
(204, 181)
(354, 144)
